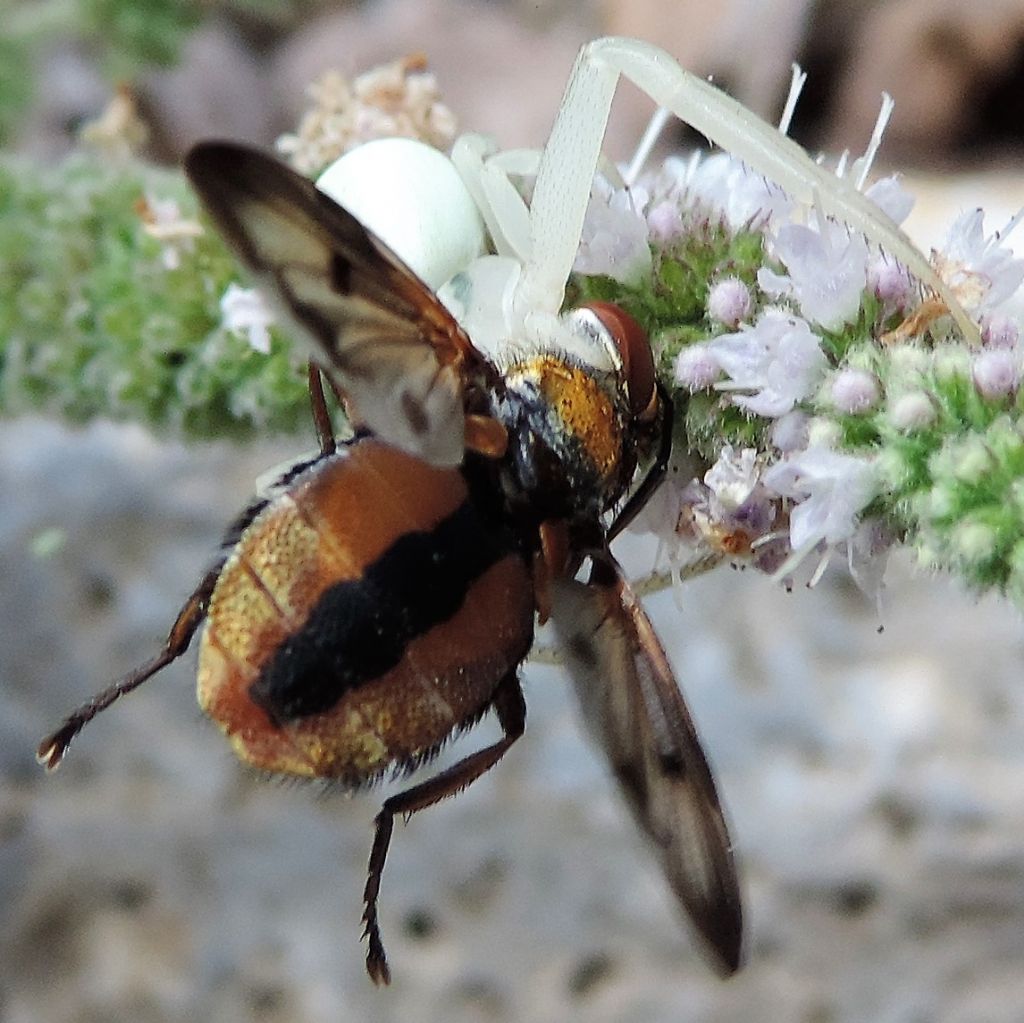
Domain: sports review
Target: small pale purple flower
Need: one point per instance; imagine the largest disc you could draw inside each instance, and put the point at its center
(730, 511)
(665, 221)
(854, 391)
(789, 432)
(830, 490)
(743, 198)
(890, 282)
(733, 477)
(615, 240)
(981, 270)
(729, 301)
(245, 311)
(889, 195)
(996, 373)
(697, 368)
(779, 361)
(827, 271)
(998, 331)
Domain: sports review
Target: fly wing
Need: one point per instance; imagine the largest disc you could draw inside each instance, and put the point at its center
(396, 352)
(635, 711)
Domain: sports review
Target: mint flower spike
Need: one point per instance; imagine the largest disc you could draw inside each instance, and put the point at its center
(814, 369)
(839, 423)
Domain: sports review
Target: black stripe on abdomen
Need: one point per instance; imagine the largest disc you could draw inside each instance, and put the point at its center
(359, 629)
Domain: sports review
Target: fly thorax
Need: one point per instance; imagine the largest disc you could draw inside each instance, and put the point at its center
(567, 420)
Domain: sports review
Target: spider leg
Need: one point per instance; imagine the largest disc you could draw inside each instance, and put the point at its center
(485, 173)
(570, 158)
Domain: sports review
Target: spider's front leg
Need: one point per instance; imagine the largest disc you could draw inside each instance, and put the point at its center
(485, 171)
(572, 151)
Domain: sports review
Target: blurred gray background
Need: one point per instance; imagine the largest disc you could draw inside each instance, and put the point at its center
(875, 781)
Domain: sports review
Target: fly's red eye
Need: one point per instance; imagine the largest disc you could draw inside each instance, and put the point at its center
(637, 359)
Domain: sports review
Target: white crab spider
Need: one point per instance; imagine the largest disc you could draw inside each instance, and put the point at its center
(520, 292)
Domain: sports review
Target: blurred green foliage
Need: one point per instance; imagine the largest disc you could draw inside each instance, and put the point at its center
(94, 323)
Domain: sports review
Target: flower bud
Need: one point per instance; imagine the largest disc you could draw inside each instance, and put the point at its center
(729, 301)
(854, 391)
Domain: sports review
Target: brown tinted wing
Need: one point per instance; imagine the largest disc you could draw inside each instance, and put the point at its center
(396, 352)
(634, 710)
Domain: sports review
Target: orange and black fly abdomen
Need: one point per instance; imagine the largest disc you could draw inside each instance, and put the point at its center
(367, 611)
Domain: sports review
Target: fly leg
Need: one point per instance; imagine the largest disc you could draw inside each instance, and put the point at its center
(655, 475)
(511, 710)
(51, 750)
(321, 417)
